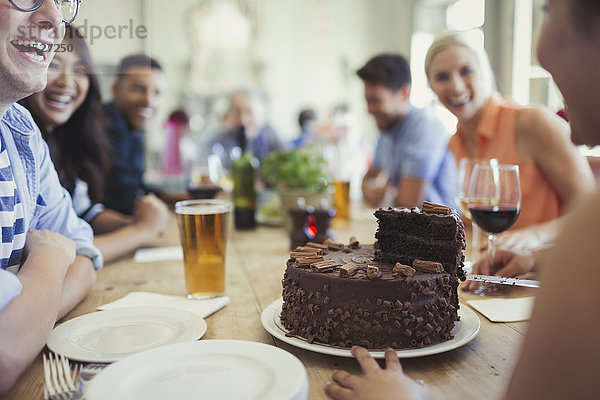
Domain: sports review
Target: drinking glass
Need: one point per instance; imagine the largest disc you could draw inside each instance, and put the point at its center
(494, 199)
(204, 176)
(465, 170)
(203, 233)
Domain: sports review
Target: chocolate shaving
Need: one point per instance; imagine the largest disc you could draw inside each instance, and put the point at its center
(306, 261)
(323, 266)
(347, 270)
(404, 270)
(354, 244)
(296, 254)
(317, 245)
(373, 272)
(305, 248)
(434, 208)
(333, 245)
(428, 266)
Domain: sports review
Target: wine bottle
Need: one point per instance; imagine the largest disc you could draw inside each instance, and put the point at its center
(244, 185)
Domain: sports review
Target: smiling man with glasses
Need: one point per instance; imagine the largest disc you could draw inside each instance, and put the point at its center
(47, 259)
(67, 9)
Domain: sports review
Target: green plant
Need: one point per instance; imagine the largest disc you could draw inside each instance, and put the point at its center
(294, 169)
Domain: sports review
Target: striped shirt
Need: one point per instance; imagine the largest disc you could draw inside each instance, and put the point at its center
(11, 215)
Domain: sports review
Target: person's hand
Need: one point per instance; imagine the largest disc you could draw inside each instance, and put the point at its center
(377, 383)
(49, 245)
(151, 214)
(373, 195)
(505, 263)
(531, 237)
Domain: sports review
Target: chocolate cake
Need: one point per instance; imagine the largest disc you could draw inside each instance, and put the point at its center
(399, 293)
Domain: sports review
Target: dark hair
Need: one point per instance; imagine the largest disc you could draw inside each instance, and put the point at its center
(308, 114)
(389, 70)
(585, 13)
(79, 148)
(137, 60)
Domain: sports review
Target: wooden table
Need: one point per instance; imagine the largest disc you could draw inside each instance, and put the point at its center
(255, 265)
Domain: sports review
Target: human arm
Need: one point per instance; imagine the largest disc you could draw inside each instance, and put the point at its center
(109, 220)
(28, 319)
(376, 383)
(374, 186)
(150, 219)
(79, 280)
(411, 192)
(544, 139)
(560, 354)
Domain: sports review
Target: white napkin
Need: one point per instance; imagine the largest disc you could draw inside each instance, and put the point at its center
(504, 310)
(203, 308)
(158, 254)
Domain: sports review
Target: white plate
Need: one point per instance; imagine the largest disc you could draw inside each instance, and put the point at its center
(464, 331)
(208, 369)
(107, 336)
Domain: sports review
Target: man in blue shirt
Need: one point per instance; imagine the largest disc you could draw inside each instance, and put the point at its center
(47, 259)
(411, 160)
(136, 95)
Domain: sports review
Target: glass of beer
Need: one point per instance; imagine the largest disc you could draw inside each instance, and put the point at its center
(341, 199)
(203, 233)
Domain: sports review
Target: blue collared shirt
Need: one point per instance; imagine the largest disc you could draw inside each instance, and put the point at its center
(46, 204)
(418, 147)
(125, 179)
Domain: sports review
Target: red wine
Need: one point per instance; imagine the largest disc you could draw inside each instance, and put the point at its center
(494, 219)
(203, 191)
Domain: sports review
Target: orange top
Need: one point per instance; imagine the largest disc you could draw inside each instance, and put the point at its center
(496, 139)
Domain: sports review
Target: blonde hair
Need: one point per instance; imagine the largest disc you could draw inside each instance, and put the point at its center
(444, 40)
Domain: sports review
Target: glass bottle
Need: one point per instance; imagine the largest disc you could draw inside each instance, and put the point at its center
(244, 185)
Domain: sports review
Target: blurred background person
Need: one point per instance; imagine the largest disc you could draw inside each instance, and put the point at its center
(136, 95)
(307, 120)
(69, 114)
(246, 110)
(552, 172)
(411, 157)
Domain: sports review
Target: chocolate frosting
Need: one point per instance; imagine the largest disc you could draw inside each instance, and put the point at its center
(387, 309)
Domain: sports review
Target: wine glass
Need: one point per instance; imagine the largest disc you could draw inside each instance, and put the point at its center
(494, 200)
(204, 176)
(465, 170)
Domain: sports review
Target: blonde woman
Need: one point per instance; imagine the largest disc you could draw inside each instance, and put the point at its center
(553, 173)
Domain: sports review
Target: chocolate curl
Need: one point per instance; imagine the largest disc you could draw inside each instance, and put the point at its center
(317, 245)
(404, 270)
(323, 266)
(428, 266)
(309, 249)
(354, 244)
(373, 272)
(333, 245)
(433, 208)
(296, 254)
(306, 261)
(347, 270)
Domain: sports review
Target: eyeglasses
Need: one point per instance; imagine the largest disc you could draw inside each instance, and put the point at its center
(68, 9)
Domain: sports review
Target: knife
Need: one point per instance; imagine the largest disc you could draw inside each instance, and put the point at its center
(504, 281)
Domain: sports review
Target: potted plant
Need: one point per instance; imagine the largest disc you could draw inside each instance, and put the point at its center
(297, 174)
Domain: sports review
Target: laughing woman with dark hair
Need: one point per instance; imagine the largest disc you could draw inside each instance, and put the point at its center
(69, 114)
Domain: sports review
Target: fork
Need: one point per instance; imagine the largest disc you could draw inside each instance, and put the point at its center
(60, 383)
